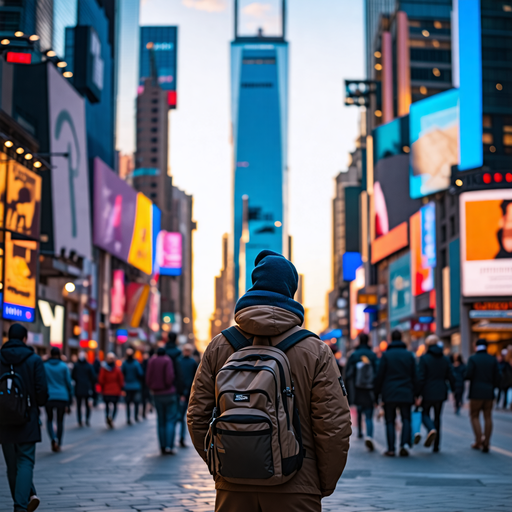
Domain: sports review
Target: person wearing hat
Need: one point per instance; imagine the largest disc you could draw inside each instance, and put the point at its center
(483, 374)
(269, 314)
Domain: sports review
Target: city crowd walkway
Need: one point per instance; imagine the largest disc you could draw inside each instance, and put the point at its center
(122, 470)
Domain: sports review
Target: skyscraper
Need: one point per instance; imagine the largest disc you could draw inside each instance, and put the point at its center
(259, 110)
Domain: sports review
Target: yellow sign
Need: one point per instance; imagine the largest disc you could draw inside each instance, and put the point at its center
(141, 249)
(20, 272)
(3, 175)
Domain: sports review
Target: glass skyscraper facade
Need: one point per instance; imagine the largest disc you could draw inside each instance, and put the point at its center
(259, 74)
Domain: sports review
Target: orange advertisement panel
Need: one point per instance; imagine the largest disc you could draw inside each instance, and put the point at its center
(137, 298)
(141, 249)
(390, 243)
(23, 200)
(484, 220)
(3, 177)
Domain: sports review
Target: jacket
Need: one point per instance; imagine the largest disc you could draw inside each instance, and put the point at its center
(188, 368)
(30, 368)
(111, 380)
(59, 380)
(360, 397)
(459, 373)
(175, 353)
(434, 371)
(133, 375)
(160, 375)
(506, 375)
(84, 377)
(396, 376)
(483, 374)
(323, 407)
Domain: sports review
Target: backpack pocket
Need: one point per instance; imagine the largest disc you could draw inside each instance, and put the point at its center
(243, 445)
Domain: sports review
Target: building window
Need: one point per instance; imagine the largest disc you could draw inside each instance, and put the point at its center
(154, 140)
(154, 184)
(154, 130)
(154, 119)
(153, 195)
(154, 150)
(154, 110)
(252, 85)
(154, 160)
(155, 100)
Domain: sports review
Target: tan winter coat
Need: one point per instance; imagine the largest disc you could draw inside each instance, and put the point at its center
(323, 408)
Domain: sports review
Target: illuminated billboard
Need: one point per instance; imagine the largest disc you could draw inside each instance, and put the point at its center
(141, 248)
(169, 254)
(399, 286)
(486, 243)
(422, 241)
(20, 279)
(117, 297)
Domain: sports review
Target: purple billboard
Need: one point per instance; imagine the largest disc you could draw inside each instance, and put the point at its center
(115, 206)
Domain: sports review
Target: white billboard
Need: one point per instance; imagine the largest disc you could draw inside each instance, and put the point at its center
(70, 182)
(486, 243)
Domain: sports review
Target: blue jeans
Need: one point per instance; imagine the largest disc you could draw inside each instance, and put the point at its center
(166, 411)
(20, 460)
(390, 416)
(368, 417)
(182, 414)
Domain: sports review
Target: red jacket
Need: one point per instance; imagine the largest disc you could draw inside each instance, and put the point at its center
(160, 375)
(111, 380)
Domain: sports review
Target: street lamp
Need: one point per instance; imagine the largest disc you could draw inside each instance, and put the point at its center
(70, 287)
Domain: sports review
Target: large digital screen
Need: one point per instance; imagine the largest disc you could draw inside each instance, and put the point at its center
(422, 241)
(117, 297)
(169, 254)
(486, 242)
(399, 286)
(141, 249)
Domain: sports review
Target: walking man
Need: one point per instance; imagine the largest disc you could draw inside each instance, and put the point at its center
(395, 382)
(61, 396)
(111, 381)
(434, 371)
(187, 368)
(361, 371)
(85, 380)
(133, 375)
(160, 380)
(19, 439)
(483, 374)
(266, 316)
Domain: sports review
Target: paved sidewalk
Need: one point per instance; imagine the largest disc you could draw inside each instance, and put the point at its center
(123, 471)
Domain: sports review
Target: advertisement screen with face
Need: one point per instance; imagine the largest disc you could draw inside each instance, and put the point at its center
(169, 253)
(23, 201)
(20, 279)
(486, 242)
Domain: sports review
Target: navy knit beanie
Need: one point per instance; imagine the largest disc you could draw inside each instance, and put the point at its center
(274, 283)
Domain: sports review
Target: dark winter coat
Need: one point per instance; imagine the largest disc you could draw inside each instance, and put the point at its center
(30, 368)
(434, 371)
(360, 397)
(175, 353)
(133, 375)
(396, 375)
(483, 374)
(506, 375)
(187, 369)
(459, 373)
(160, 375)
(85, 378)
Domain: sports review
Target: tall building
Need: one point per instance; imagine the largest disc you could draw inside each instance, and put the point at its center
(259, 110)
(374, 10)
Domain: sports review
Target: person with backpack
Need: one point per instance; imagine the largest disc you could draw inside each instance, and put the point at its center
(268, 410)
(111, 381)
(360, 372)
(22, 370)
(85, 379)
(61, 395)
(133, 375)
(160, 378)
(395, 383)
(483, 373)
(434, 372)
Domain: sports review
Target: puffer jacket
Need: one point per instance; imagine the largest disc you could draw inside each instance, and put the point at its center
(319, 396)
(434, 371)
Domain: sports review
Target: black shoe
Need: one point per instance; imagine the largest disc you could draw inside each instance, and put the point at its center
(436, 449)
(404, 451)
(87, 424)
(110, 423)
(389, 454)
(163, 451)
(55, 446)
(33, 503)
(183, 444)
(431, 437)
(80, 424)
(129, 422)
(417, 438)
(369, 444)
(485, 449)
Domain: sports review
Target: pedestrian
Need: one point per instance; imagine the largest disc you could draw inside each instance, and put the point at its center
(146, 392)
(459, 370)
(434, 372)
(506, 377)
(174, 352)
(265, 316)
(395, 383)
(360, 372)
(60, 392)
(133, 375)
(85, 379)
(19, 434)
(160, 378)
(188, 367)
(96, 365)
(111, 381)
(483, 374)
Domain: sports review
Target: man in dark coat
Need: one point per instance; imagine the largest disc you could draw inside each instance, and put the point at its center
(483, 374)
(395, 383)
(360, 373)
(434, 371)
(187, 369)
(19, 441)
(85, 380)
(174, 352)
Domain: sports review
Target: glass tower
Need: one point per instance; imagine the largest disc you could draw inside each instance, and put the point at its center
(259, 82)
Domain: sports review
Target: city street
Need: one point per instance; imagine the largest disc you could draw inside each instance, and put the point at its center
(122, 471)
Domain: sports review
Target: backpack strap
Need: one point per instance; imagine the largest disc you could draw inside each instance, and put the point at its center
(236, 339)
(294, 338)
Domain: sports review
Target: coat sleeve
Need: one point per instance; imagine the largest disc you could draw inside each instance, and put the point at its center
(330, 421)
(421, 376)
(379, 379)
(41, 384)
(468, 374)
(69, 386)
(202, 402)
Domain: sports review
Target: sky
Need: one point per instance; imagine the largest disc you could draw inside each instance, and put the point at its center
(326, 47)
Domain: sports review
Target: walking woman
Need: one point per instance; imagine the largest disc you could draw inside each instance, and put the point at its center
(111, 381)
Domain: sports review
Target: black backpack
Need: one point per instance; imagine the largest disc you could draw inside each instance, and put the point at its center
(364, 375)
(14, 400)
